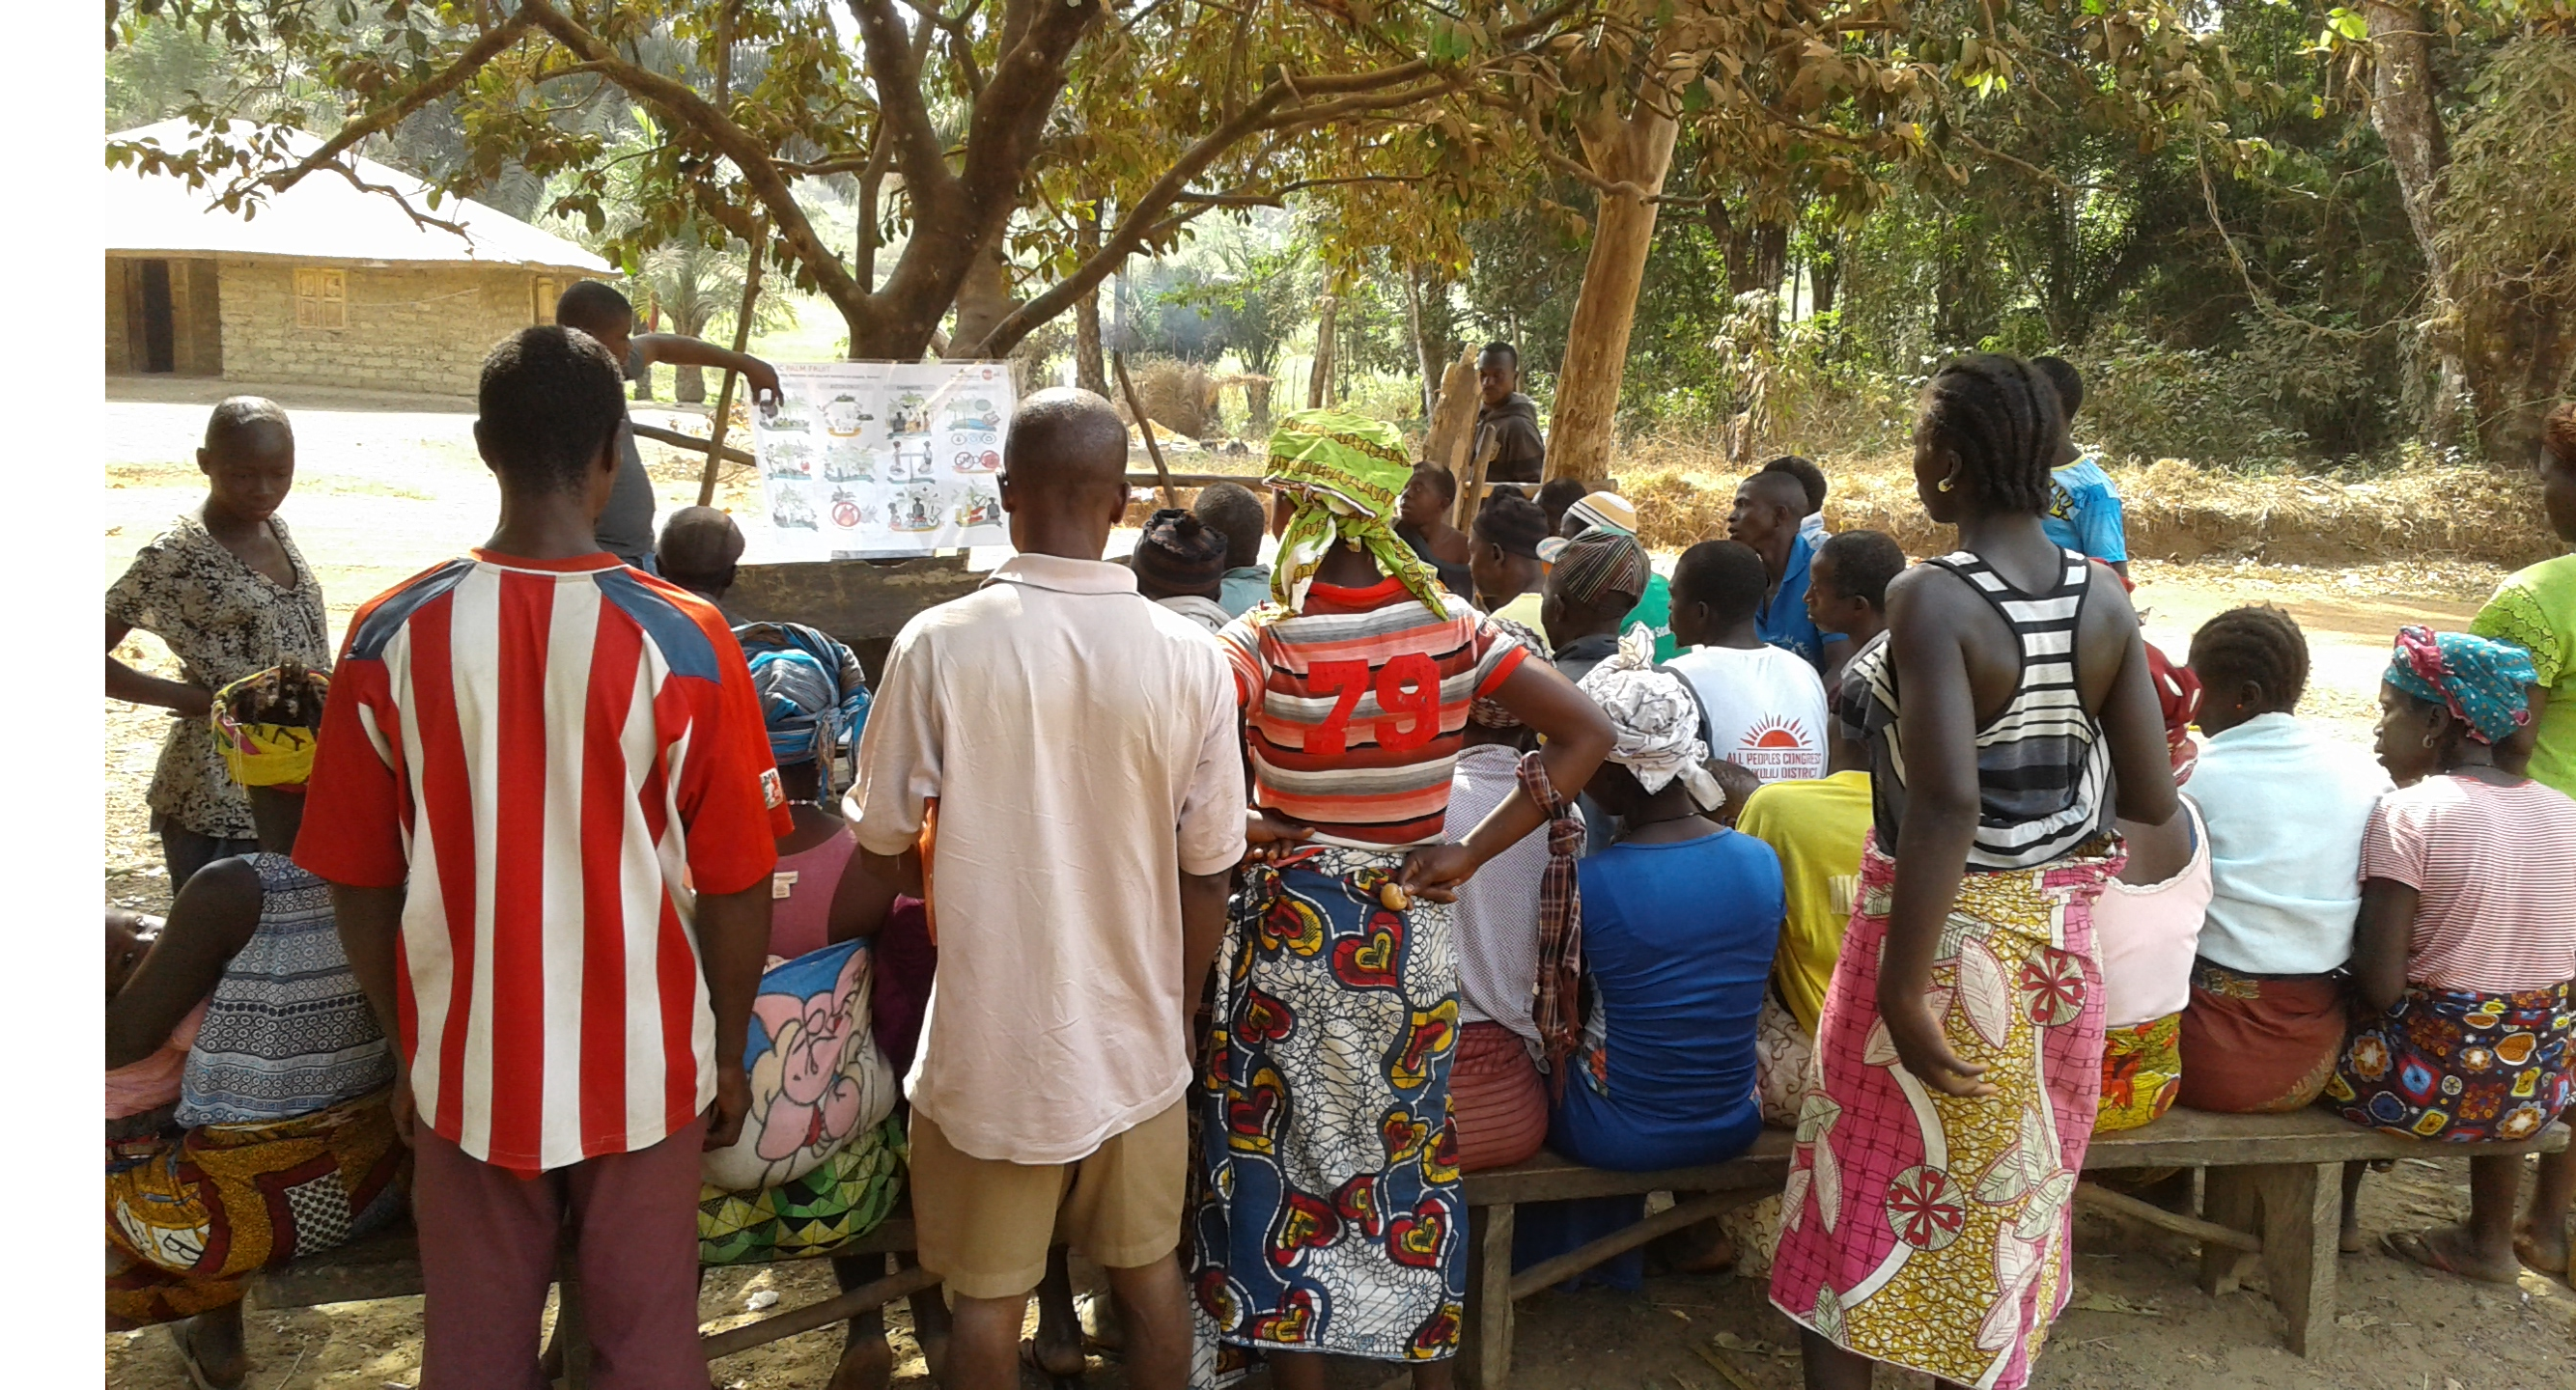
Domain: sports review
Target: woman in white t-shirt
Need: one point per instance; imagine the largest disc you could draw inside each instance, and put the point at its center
(1765, 708)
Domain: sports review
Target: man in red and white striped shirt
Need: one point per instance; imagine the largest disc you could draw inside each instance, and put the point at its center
(548, 816)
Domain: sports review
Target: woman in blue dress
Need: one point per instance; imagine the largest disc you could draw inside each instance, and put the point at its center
(1680, 919)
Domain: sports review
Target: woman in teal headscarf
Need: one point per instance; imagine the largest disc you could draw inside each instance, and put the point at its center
(1329, 1217)
(2466, 943)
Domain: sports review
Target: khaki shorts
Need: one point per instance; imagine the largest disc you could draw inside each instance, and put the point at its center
(984, 1224)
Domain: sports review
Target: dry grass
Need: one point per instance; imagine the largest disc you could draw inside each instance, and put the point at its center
(2175, 511)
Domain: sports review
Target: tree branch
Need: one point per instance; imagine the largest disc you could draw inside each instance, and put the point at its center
(759, 169)
(476, 54)
(897, 75)
(1260, 114)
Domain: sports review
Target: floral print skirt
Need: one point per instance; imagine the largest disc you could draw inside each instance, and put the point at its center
(2458, 1066)
(1930, 1231)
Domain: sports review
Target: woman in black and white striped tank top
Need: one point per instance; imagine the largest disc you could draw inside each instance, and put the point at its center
(2043, 770)
(2009, 718)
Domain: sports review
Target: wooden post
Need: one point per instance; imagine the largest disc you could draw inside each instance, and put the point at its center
(2228, 1198)
(1485, 1339)
(741, 341)
(2302, 1216)
(1145, 427)
(1471, 489)
(1453, 417)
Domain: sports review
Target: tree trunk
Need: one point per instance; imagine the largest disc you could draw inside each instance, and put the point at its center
(1090, 368)
(1422, 358)
(1637, 150)
(1319, 376)
(983, 301)
(1827, 272)
(1256, 406)
(2403, 110)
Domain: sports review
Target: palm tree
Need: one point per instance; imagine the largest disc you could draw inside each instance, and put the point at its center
(700, 288)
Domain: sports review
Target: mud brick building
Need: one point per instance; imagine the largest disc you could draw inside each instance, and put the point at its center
(329, 285)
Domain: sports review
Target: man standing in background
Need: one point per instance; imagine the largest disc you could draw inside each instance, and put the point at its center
(1506, 419)
(596, 308)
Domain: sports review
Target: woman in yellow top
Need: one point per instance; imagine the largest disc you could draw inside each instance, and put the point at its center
(2535, 608)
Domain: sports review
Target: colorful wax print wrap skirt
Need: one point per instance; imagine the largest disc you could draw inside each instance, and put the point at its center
(2458, 1066)
(1931, 1231)
(2141, 1073)
(190, 1215)
(2260, 1044)
(1328, 1214)
(823, 1211)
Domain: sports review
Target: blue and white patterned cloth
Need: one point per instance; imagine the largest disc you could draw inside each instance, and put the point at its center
(287, 1031)
(813, 694)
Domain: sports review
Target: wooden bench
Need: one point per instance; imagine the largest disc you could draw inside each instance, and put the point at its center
(2273, 1194)
(387, 1265)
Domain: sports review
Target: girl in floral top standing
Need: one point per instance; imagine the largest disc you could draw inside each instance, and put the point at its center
(227, 590)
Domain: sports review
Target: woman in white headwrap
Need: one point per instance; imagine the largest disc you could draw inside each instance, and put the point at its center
(1680, 917)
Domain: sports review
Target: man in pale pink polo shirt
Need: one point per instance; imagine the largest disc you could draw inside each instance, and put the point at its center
(1080, 743)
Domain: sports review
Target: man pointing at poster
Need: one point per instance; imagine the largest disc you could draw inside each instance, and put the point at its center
(625, 529)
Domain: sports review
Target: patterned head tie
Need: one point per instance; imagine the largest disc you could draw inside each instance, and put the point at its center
(271, 754)
(1655, 720)
(2481, 682)
(1489, 712)
(813, 695)
(1342, 474)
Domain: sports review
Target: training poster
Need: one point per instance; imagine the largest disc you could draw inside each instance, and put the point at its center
(866, 459)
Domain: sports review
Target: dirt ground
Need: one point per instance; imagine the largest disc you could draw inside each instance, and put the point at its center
(387, 485)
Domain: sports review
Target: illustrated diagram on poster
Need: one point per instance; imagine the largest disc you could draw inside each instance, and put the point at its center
(872, 459)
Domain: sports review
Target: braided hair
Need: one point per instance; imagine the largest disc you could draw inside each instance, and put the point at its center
(2258, 643)
(1999, 417)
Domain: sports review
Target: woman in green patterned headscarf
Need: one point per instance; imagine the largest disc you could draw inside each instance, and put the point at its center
(1336, 1016)
(1342, 474)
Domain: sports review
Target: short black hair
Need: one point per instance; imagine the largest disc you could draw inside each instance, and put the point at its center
(548, 402)
(1726, 575)
(1809, 476)
(1442, 481)
(2069, 383)
(1232, 509)
(2258, 643)
(1513, 522)
(1999, 417)
(594, 304)
(236, 416)
(1557, 495)
(1501, 350)
(1864, 562)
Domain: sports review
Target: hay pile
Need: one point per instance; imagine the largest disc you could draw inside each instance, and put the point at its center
(2174, 510)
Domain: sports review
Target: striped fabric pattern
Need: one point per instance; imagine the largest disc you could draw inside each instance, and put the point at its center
(557, 756)
(2497, 906)
(2043, 769)
(1357, 707)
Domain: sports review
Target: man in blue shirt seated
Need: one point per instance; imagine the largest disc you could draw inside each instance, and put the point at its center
(1768, 509)
(2083, 508)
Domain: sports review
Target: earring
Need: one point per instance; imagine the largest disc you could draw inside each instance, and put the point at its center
(1948, 483)
(2428, 740)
